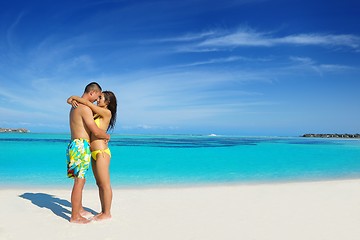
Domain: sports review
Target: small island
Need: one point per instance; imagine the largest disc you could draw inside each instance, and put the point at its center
(331, 135)
(14, 130)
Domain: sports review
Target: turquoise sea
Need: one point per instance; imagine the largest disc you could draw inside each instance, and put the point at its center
(147, 160)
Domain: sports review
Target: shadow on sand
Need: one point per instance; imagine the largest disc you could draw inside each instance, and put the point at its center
(56, 205)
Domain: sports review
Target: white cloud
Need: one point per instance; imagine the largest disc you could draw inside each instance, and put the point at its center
(177, 97)
(345, 40)
(214, 61)
(302, 60)
(10, 36)
(247, 37)
(335, 67)
(29, 118)
(308, 63)
(187, 37)
(239, 38)
(76, 62)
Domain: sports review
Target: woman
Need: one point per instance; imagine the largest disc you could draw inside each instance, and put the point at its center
(105, 118)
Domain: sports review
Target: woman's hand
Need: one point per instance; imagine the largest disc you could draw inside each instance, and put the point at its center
(72, 102)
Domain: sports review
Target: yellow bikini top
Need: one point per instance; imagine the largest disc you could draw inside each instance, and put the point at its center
(97, 119)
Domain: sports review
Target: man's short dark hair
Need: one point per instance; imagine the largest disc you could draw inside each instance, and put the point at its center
(93, 86)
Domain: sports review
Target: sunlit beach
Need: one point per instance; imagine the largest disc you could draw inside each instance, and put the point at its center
(312, 210)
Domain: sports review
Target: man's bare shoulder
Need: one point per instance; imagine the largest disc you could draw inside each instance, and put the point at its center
(83, 108)
(85, 111)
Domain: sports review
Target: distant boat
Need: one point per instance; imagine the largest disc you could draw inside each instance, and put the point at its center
(212, 135)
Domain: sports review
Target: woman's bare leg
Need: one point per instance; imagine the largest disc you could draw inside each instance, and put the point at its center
(102, 176)
(94, 168)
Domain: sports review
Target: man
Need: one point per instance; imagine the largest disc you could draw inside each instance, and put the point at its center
(78, 152)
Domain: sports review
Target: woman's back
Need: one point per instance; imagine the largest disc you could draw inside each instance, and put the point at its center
(102, 123)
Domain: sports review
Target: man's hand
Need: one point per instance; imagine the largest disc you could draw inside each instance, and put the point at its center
(107, 139)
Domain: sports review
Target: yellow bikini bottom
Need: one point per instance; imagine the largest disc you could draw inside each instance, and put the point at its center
(96, 152)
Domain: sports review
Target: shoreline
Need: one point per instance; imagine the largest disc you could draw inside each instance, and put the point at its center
(296, 210)
(92, 185)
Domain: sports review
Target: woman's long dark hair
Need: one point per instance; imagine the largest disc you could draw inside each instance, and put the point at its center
(111, 102)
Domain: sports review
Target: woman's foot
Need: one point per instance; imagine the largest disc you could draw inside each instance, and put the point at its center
(86, 214)
(102, 217)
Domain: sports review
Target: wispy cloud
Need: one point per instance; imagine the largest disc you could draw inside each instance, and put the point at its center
(220, 61)
(82, 61)
(320, 68)
(12, 29)
(187, 37)
(247, 37)
(44, 96)
(214, 61)
(175, 98)
(335, 67)
(302, 60)
(345, 40)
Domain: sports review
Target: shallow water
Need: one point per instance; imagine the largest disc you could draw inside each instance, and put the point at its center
(39, 159)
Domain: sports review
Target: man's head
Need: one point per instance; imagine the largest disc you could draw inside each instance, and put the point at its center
(92, 92)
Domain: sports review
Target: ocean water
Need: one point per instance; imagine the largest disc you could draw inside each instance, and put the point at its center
(141, 160)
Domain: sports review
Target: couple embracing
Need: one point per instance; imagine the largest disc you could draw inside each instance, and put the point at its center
(89, 143)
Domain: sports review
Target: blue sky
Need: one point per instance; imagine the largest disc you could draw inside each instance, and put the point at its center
(246, 67)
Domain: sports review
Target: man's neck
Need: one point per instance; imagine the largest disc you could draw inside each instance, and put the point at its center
(86, 96)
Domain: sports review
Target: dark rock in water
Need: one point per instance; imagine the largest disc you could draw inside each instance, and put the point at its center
(14, 130)
(331, 135)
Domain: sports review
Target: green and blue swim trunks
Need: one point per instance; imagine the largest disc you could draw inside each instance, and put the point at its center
(78, 158)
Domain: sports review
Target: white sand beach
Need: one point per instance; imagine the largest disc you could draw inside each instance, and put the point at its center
(307, 210)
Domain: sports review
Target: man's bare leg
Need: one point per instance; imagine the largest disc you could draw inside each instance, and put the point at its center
(76, 202)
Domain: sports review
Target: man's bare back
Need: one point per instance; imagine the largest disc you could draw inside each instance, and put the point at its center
(77, 124)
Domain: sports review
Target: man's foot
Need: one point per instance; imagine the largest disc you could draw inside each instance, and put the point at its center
(102, 217)
(86, 214)
(80, 220)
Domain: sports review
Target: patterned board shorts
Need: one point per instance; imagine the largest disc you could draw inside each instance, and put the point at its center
(78, 156)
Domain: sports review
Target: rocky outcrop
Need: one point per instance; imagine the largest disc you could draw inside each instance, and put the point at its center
(331, 135)
(13, 130)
